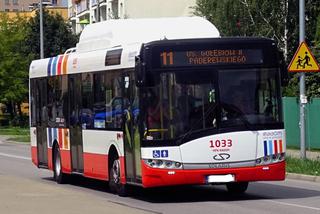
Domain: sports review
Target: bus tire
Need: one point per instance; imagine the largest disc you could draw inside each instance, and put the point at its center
(58, 175)
(237, 187)
(115, 184)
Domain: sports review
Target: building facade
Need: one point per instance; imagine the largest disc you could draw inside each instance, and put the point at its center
(83, 12)
(25, 5)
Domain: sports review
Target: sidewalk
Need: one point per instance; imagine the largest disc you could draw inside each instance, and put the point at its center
(310, 154)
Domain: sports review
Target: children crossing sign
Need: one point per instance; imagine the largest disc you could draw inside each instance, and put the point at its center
(303, 60)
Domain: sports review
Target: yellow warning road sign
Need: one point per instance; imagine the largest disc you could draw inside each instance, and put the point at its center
(303, 60)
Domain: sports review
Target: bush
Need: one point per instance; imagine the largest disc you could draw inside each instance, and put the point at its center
(4, 120)
(21, 121)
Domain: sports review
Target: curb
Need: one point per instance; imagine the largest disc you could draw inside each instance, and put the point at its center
(303, 177)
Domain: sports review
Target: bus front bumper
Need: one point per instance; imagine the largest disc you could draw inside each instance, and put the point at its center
(155, 177)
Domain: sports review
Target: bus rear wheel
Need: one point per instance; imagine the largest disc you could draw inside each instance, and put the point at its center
(58, 175)
(237, 187)
(115, 184)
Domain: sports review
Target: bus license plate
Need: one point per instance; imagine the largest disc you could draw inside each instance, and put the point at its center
(220, 178)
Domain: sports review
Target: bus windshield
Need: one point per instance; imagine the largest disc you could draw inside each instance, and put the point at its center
(187, 102)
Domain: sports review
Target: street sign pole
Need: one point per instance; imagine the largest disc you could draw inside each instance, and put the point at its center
(41, 30)
(302, 83)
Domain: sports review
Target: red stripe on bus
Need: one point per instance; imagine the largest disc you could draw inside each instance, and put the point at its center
(123, 179)
(95, 166)
(65, 161)
(34, 155)
(59, 64)
(275, 145)
(280, 145)
(153, 177)
(50, 164)
(65, 63)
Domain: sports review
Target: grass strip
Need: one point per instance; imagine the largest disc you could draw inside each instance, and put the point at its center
(307, 167)
(14, 131)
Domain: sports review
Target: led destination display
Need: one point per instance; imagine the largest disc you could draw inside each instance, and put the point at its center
(211, 57)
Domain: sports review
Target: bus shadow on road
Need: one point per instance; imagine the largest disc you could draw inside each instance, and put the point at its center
(256, 191)
(183, 194)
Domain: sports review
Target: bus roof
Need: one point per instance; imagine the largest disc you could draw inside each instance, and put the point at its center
(126, 34)
(129, 31)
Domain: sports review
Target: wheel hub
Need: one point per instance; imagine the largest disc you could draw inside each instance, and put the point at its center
(116, 172)
(57, 165)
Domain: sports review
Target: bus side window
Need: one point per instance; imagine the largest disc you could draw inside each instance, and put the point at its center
(118, 101)
(33, 102)
(56, 109)
(87, 101)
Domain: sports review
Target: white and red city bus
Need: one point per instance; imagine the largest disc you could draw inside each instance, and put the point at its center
(160, 102)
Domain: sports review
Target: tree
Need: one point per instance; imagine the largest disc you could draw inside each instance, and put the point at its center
(14, 62)
(20, 45)
(57, 35)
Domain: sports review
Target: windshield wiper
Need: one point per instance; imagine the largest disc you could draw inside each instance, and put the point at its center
(241, 116)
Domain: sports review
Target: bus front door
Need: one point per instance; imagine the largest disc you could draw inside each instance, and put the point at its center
(41, 119)
(131, 133)
(76, 144)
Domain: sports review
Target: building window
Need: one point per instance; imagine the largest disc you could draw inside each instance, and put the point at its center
(7, 10)
(54, 2)
(15, 2)
(6, 2)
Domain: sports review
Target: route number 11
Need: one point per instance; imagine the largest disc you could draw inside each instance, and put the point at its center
(167, 58)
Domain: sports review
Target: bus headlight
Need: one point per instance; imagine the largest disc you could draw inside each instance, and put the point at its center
(259, 161)
(270, 159)
(159, 163)
(282, 156)
(177, 164)
(163, 164)
(168, 164)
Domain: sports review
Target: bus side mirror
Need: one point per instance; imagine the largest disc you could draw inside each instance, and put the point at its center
(140, 72)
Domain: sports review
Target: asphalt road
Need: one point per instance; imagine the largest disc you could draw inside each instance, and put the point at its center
(26, 189)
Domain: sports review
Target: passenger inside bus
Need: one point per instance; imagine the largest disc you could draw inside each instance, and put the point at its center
(157, 116)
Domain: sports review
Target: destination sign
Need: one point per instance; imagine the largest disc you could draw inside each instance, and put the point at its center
(211, 57)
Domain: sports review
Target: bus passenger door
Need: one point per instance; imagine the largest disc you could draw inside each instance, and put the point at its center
(42, 121)
(75, 129)
(131, 134)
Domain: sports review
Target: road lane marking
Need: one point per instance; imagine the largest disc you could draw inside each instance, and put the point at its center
(296, 205)
(15, 156)
(138, 208)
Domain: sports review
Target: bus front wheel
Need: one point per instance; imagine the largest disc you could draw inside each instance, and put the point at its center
(114, 179)
(237, 187)
(58, 175)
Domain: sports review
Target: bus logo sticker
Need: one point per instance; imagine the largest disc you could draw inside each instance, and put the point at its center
(156, 153)
(164, 153)
(221, 157)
